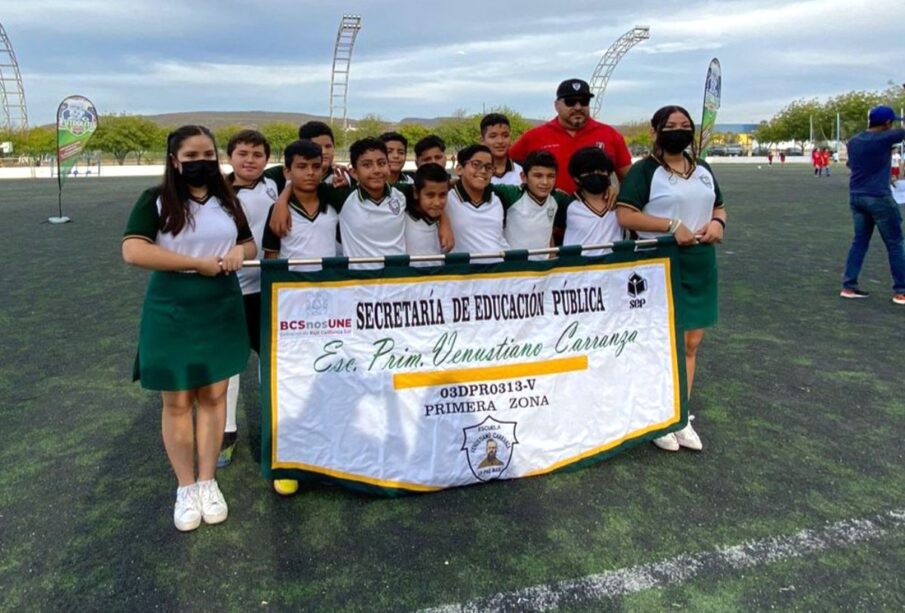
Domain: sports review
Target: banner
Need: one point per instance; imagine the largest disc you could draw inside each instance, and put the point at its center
(416, 380)
(76, 123)
(713, 88)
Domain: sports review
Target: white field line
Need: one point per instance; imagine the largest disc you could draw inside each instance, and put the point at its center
(684, 567)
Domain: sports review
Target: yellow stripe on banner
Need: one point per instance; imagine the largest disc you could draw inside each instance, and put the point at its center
(489, 373)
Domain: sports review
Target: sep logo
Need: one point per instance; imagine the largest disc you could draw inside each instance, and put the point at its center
(637, 285)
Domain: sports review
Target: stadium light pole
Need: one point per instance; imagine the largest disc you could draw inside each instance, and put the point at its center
(12, 92)
(349, 27)
(610, 59)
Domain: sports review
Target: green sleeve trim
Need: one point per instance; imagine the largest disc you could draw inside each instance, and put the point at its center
(334, 196)
(635, 188)
(270, 241)
(718, 201)
(508, 194)
(275, 174)
(144, 221)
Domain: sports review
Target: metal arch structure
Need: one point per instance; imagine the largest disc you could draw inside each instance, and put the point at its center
(12, 93)
(342, 61)
(610, 59)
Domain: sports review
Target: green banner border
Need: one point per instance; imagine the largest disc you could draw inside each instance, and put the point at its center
(336, 269)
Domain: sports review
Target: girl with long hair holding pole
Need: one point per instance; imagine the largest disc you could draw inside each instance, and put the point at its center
(673, 192)
(190, 231)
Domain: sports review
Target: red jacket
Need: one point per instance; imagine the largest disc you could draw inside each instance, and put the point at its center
(554, 138)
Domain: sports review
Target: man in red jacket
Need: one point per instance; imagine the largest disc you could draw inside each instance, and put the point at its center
(572, 129)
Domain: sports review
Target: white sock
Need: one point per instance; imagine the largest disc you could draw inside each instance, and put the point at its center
(232, 402)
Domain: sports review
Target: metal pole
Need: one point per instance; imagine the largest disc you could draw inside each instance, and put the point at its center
(648, 242)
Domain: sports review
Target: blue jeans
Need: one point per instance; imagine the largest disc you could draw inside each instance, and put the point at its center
(882, 212)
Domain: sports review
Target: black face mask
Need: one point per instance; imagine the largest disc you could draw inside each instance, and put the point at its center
(594, 184)
(675, 141)
(199, 173)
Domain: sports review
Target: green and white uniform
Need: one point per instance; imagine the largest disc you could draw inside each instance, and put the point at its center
(477, 226)
(528, 221)
(256, 200)
(192, 330)
(511, 176)
(370, 227)
(422, 236)
(579, 224)
(309, 236)
(651, 188)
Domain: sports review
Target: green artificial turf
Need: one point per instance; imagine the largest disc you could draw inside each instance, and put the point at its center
(798, 401)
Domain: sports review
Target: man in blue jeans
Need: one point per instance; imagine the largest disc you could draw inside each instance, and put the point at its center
(871, 201)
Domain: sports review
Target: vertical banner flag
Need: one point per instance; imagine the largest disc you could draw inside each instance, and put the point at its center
(414, 380)
(76, 123)
(713, 87)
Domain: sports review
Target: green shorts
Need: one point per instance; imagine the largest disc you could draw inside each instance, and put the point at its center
(193, 332)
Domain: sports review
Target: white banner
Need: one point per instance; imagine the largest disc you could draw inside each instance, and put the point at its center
(423, 383)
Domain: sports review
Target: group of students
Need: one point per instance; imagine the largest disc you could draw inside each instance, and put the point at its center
(202, 309)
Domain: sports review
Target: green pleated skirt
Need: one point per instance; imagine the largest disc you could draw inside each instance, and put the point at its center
(700, 295)
(193, 332)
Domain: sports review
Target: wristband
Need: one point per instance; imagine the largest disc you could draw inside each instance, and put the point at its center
(719, 221)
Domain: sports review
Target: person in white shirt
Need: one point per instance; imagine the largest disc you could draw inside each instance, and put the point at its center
(423, 212)
(474, 211)
(496, 133)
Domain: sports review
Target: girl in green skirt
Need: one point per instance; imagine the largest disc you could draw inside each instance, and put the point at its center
(672, 192)
(191, 232)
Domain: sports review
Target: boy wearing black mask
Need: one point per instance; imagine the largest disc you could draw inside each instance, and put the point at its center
(587, 219)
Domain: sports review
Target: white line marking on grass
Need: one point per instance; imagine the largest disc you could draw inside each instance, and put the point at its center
(683, 568)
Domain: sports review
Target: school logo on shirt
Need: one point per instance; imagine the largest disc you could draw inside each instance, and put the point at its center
(488, 447)
(395, 205)
(707, 181)
(271, 192)
(551, 212)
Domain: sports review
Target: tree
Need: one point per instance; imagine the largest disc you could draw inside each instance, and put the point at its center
(35, 144)
(120, 135)
(279, 134)
(413, 132)
(222, 135)
(637, 136)
(369, 126)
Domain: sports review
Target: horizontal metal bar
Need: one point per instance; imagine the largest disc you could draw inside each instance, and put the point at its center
(648, 242)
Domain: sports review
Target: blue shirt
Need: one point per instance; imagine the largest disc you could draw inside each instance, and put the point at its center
(870, 158)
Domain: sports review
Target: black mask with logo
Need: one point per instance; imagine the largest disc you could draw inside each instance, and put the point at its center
(199, 173)
(675, 141)
(594, 184)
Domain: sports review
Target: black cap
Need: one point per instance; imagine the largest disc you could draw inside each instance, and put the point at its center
(573, 87)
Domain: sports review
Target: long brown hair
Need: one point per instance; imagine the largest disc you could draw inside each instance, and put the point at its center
(174, 191)
(658, 122)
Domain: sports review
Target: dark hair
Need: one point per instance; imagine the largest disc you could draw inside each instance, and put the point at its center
(469, 152)
(589, 159)
(430, 172)
(362, 146)
(174, 192)
(304, 149)
(248, 137)
(429, 142)
(543, 159)
(493, 119)
(390, 137)
(313, 129)
(658, 122)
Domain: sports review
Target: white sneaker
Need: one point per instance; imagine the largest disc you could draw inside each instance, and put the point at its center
(187, 514)
(213, 506)
(687, 437)
(667, 442)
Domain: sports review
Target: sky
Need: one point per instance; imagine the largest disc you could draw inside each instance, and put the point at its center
(415, 58)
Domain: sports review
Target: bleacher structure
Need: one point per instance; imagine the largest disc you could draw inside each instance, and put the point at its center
(12, 93)
(610, 60)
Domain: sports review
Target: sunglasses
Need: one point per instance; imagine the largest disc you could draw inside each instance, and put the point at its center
(571, 101)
